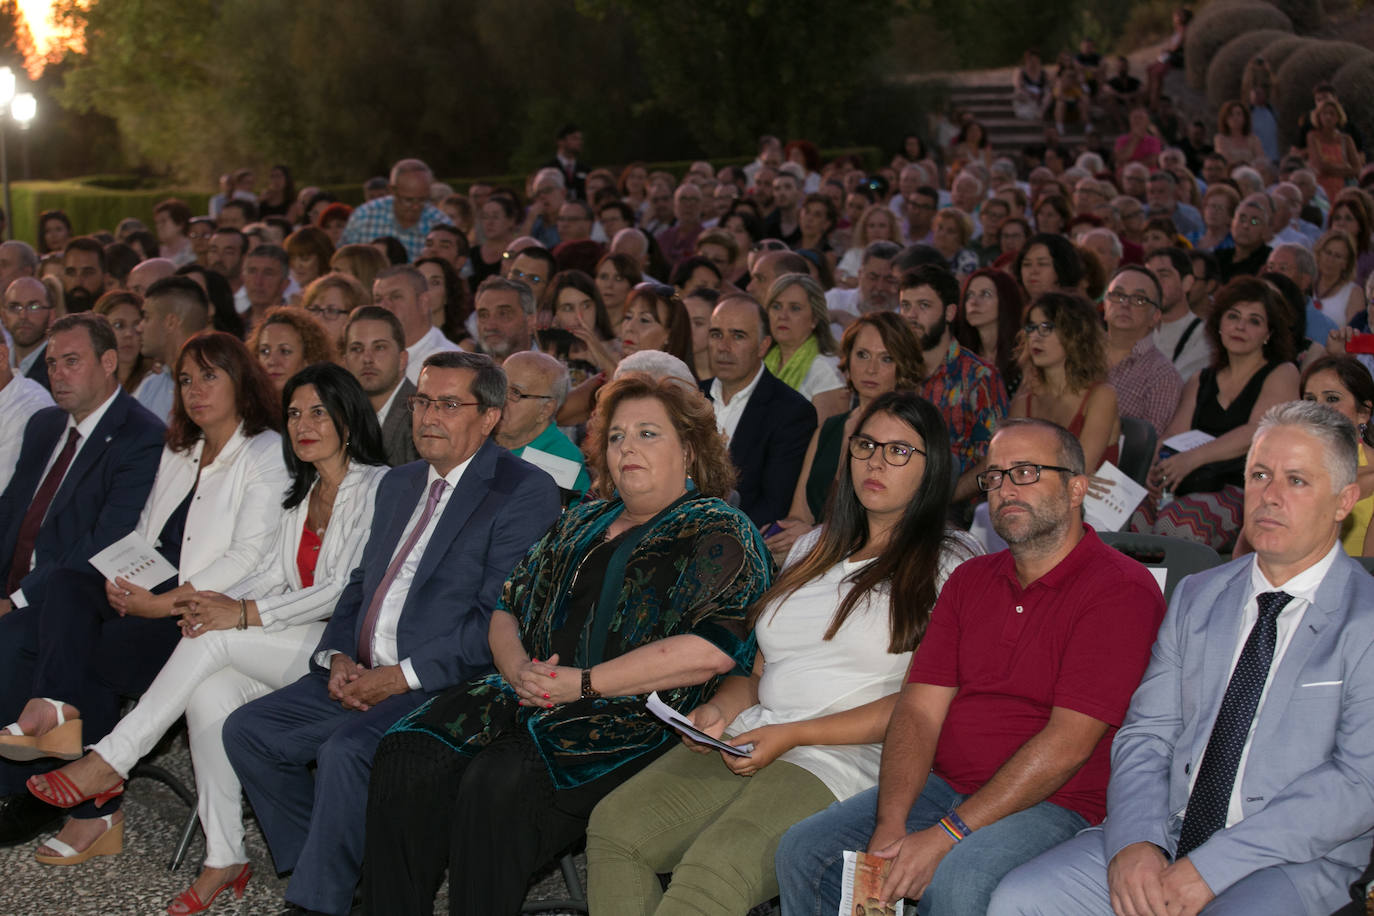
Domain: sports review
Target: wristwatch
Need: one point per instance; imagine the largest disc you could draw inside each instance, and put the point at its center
(587, 689)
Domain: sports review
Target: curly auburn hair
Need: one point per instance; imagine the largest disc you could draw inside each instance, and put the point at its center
(693, 419)
(1080, 333)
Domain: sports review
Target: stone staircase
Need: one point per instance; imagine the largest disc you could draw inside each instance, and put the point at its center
(990, 104)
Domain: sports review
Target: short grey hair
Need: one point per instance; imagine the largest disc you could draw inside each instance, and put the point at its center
(1113, 240)
(1336, 433)
(489, 385)
(408, 166)
(417, 280)
(551, 173)
(1070, 449)
(1091, 163)
(28, 258)
(1250, 181)
(503, 285)
(1259, 201)
(274, 252)
(657, 365)
(1306, 263)
(882, 250)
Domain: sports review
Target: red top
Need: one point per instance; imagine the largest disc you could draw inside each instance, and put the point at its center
(307, 555)
(1078, 638)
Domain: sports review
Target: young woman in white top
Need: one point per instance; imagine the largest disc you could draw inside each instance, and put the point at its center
(257, 635)
(835, 633)
(803, 353)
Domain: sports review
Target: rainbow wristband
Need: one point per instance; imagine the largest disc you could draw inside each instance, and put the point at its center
(953, 831)
(958, 822)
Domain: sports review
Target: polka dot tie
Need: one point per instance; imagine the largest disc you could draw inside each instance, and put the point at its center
(1211, 795)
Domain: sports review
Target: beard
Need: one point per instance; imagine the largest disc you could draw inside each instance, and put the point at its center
(930, 339)
(79, 299)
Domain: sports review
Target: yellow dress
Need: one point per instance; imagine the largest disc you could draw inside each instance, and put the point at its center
(1356, 524)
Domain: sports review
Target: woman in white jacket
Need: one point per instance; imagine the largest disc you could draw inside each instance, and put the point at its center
(237, 649)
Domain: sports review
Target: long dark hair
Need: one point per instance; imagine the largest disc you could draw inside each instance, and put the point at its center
(254, 398)
(910, 563)
(355, 423)
(223, 316)
(457, 306)
(1010, 316)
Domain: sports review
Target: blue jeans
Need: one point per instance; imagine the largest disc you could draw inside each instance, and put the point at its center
(810, 859)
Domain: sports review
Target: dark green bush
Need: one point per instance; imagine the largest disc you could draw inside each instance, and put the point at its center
(1225, 72)
(1307, 15)
(1218, 23)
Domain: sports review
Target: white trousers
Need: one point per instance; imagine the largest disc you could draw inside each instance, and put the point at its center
(207, 678)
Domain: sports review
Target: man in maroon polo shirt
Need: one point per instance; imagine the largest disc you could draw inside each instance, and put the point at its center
(998, 748)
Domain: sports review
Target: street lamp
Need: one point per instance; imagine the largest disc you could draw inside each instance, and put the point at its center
(21, 107)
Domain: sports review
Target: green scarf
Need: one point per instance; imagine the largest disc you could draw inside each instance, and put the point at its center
(794, 373)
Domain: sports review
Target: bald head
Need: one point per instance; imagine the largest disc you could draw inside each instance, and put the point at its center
(632, 242)
(17, 260)
(149, 272)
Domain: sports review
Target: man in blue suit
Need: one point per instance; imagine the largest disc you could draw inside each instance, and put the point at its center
(411, 621)
(84, 471)
(1243, 777)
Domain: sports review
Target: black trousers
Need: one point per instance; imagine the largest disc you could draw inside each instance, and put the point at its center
(490, 820)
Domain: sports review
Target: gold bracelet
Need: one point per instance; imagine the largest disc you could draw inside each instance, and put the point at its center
(243, 615)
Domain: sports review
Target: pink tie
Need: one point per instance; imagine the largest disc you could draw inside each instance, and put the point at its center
(374, 609)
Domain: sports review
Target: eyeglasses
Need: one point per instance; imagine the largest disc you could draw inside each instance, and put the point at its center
(532, 279)
(329, 314)
(1118, 297)
(19, 308)
(418, 404)
(1023, 475)
(410, 201)
(894, 453)
(1250, 220)
(515, 395)
(1043, 328)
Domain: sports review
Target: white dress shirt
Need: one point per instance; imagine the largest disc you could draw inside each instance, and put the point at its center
(434, 341)
(19, 401)
(389, 406)
(84, 430)
(727, 415)
(1303, 587)
(384, 648)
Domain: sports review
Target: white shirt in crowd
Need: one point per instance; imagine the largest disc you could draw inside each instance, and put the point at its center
(19, 401)
(433, 342)
(1196, 353)
(727, 415)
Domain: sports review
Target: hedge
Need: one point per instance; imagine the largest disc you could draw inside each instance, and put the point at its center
(1354, 83)
(99, 202)
(1217, 24)
(1311, 64)
(1226, 72)
(1279, 50)
(1307, 15)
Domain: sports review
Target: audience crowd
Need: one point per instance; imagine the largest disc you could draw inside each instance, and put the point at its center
(446, 484)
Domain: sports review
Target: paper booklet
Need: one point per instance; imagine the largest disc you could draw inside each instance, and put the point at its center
(683, 724)
(1185, 441)
(135, 559)
(564, 471)
(1112, 511)
(861, 884)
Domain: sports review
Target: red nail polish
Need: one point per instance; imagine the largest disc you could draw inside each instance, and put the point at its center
(553, 674)
(548, 706)
(546, 696)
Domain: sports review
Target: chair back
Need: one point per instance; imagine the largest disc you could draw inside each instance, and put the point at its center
(1175, 556)
(1138, 439)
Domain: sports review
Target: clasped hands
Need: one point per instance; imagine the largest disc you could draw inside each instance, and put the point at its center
(130, 600)
(202, 612)
(1143, 883)
(544, 683)
(770, 741)
(354, 687)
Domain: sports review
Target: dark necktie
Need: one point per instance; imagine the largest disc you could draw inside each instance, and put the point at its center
(38, 510)
(1216, 776)
(374, 609)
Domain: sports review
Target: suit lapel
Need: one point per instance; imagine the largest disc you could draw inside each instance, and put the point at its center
(92, 451)
(744, 445)
(401, 509)
(465, 499)
(1222, 635)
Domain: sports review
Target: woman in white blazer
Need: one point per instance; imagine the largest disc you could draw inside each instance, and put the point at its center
(248, 638)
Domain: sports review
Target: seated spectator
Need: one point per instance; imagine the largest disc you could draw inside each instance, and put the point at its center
(1299, 269)
(1011, 238)
(236, 214)
(310, 251)
(256, 635)
(390, 248)
(815, 222)
(695, 272)
(1234, 138)
(1345, 385)
(30, 309)
(330, 300)
(405, 213)
(765, 422)
(1252, 370)
(286, 341)
(1146, 383)
(1236, 695)
(20, 399)
(1160, 233)
(102, 640)
(1140, 143)
(679, 239)
(1218, 209)
(700, 304)
(171, 220)
(450, 309)
(1070, 96)
(951, 780)
(537, 385)
(499, 220)
(266, 279)
(1047, 262)
(991, 215)
(579, 310)
(1106, 247)
(401, 632)
(1349, 217)
(1331, 152)
(375, 355)
(816, 710)
(494, 796)
(616, 275)
(174, 309)
(991, 314)
(877, 287)
(803, 352)
(1030, 100)
(1052, 215)
(967, 391)
(124, 311)
(54, 231)
(1293, 300)
(1063, 353)
(224, 314)
(953, 230)
(1120, 94)
(1251, 228)
(1335, 291)
(404, 291)
(656, 319)
(1162, 197)
(1179, 334)
(971, 145)
(720, 248)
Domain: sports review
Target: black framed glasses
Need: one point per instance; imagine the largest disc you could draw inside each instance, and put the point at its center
(515, 395)
(894, 453)
(418, 404)
(1023, 475)
(329, 314)
(1043, 328)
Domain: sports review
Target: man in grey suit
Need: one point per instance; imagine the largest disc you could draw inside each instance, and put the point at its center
(375, 353)
(1242, 778)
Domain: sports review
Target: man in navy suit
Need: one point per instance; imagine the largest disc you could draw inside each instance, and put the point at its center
(768, 425)
(411, 621)
(1241, 778)
(29, 311)
(84, 472)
